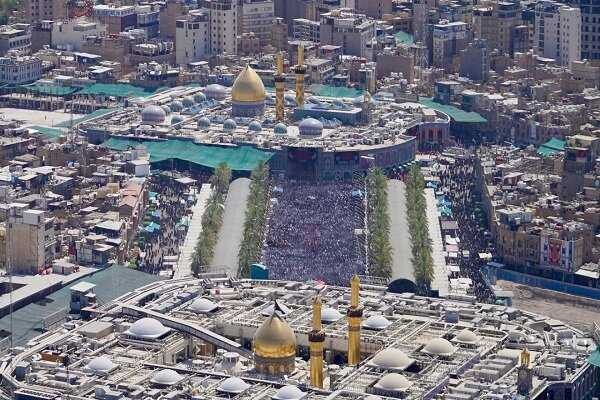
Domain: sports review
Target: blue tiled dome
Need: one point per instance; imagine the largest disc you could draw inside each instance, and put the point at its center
(255, 126)
(229, 124)
(203, 122)
(280, 128)
(310, 126)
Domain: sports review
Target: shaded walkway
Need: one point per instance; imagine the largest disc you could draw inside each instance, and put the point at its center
(402, 267)
(184, 265)
(232, 230)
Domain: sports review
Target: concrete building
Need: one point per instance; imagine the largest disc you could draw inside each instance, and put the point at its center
(354, 32)
(30, 240)
(305, 29)
(16, 70)
(173, 11)
(71, 34)
(484, 25)
(15, 37)
(449, 38)
(279, 32)
(116, 18)
(557, 32)
(223, 26)
(590, 29)
(44, 10)
(148, 19)
(289, 10)
(192, 37)
(374, 8)
(257, 17)
(475, 61)
(508, 16)
(587, 72)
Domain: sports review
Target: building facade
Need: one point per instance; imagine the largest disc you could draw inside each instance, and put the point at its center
(257, 17)
(30, 240)
(305, 29)
(223, 26)
(192, 37)
(17, 70)
(557, 32)
(44, 10)
(71, 34)
(475, 61)
(15, 38)
(354, 32)
(449, 38)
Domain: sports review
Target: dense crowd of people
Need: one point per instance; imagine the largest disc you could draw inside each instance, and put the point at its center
(171, 205)
(458, 183)
(311, 233)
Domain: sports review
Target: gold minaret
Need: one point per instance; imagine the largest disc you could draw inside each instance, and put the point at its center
(316, 337)
(354, 319)
(300, 70)
(279, 89)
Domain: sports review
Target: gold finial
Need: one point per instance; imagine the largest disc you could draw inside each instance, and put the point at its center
(279, 63)
(525, 357)
(354, 291)
(300, 54)
(316, 314)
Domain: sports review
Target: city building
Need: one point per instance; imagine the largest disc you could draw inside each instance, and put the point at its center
(17, 70)
(71, 34)
(148, 19)
(557, 32)
(354, 32)
(223, 26)
(30, 240)
(173, 11)
(44, 10)
(449, 38)
(590, 29)
(279, 32)
(257, 17)
(116, 18)
(508, 16)
(475, 61)
(305, 29)
(15, 37)
(192, 37)
(376, 9)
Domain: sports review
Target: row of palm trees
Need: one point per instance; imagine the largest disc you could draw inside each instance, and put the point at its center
(212, 219)
(416, 209)
(255, 221)
(378, 225)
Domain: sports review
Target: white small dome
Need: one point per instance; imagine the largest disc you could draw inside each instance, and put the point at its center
(393, 382)
(215, 91)
(203, 305)
(376, 322)
(233, 385)
(176, 120)
(187, 101)
(289, 392)
(466, 336)
(166, 109)
(204, 122)
(101, 364)
(153, 115)
(391, 358)
(199, 97)
(280, 129)
(176, 106)
(255, 126)
(229, 124)
(439, 347)
(310, 126)
(166, 377)
(330, 315)
(147, 328)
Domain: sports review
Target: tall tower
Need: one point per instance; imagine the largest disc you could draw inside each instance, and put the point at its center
(300, 71)
(279, 89)
(316, 337)
(355, 313)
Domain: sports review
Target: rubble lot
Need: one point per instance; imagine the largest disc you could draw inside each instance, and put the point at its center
(580, 312)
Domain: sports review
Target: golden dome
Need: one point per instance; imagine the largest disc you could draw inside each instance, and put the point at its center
(274, 338)
(248, 87)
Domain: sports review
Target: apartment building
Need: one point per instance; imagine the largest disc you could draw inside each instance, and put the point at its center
(354, 32)
(71, 34)
(223, 25)
(305, 29)
(17, 70)
(15, 37)
(257, 17)
(44, 10)
(192, 37)
(30, 240)
(449, 38)
(557, 32)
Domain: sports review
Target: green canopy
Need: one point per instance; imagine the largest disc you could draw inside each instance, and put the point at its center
(238, 158)
(594, 358)
(334, 91)
(49, 90)
(117, 90)
(551, 147)
(456, 114)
